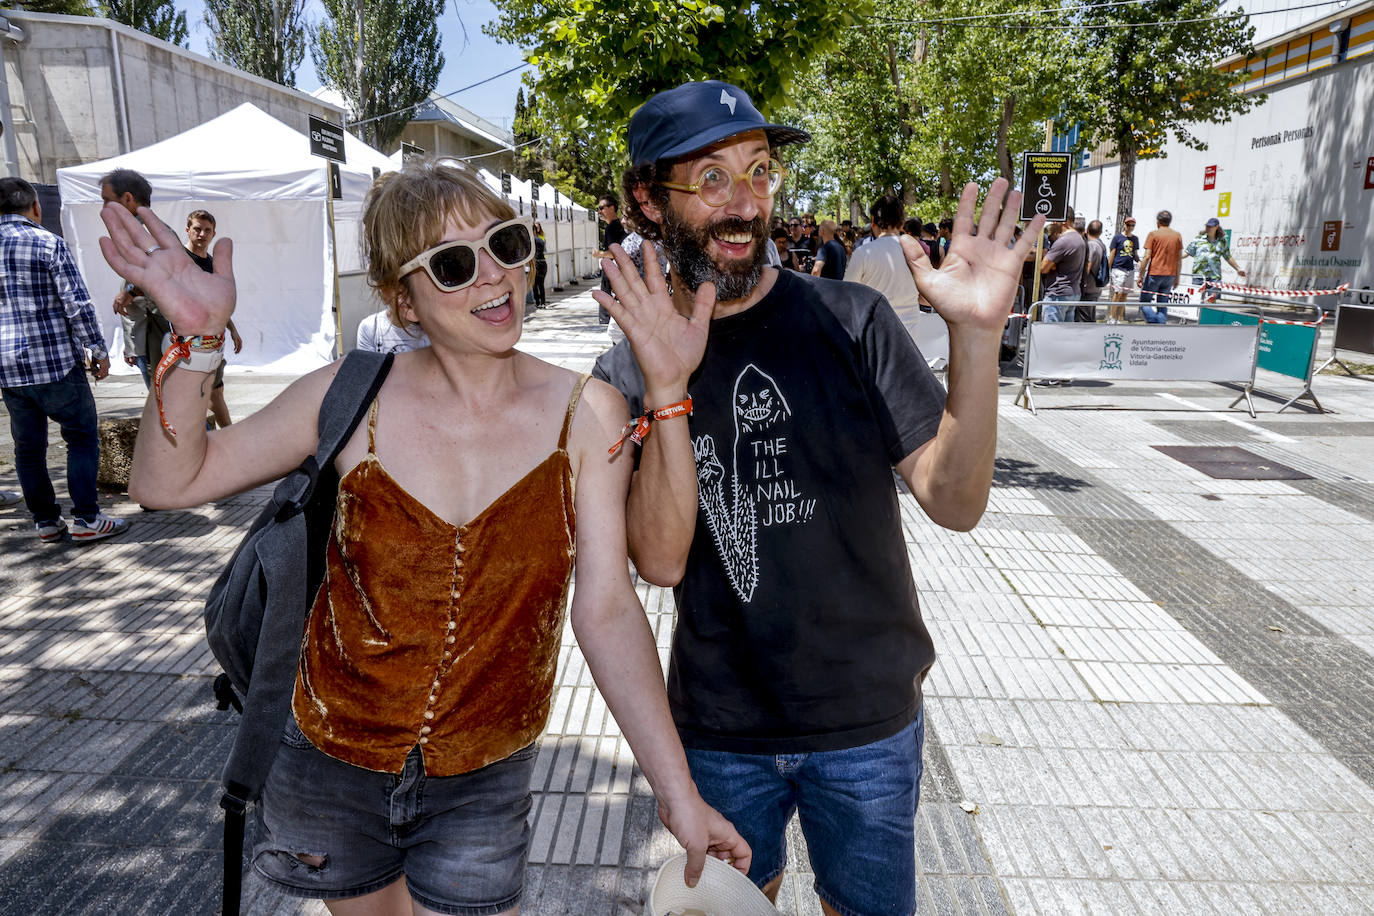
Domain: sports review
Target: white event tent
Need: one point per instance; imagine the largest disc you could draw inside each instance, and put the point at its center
(266, 191)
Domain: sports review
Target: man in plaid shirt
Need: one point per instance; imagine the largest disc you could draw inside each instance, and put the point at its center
(47, 323)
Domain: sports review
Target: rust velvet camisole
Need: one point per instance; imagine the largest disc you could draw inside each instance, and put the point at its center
(426, 634)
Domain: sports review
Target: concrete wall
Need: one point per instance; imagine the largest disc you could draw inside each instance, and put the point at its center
(84, 89)
(1293, 183)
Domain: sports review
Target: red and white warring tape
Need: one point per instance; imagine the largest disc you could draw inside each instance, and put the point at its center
(1290, 293)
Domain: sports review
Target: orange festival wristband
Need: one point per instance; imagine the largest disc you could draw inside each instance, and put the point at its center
(638, 428)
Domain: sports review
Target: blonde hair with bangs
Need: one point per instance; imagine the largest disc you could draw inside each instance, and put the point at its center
(406, 213)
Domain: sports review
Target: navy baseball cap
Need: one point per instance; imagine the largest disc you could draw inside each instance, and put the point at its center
(1213, 222)
(693, 116)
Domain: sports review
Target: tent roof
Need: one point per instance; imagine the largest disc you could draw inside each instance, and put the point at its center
(244, 154)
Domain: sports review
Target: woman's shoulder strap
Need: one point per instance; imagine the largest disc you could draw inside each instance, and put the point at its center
(573, 400)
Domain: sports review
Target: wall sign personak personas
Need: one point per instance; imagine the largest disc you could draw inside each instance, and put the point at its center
(326, 139)
(1045, 185)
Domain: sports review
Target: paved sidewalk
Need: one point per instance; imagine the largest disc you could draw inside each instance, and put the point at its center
(1155, 691)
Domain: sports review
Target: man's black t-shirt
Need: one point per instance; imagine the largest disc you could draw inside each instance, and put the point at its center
(1127, 249)
(204, 262)
(615, 234)
(833, 260)
(798, 626)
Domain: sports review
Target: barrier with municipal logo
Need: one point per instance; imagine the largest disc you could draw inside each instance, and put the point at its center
(1152, 352)
(1140, 351)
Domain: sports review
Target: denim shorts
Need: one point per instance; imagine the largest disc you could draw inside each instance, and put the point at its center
(857, 809)
(461, 841)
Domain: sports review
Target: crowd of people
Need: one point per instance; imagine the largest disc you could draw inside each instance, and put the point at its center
(1079, 267)
(1077, 263)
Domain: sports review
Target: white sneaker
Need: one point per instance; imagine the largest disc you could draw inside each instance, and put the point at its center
(102, 526)
(9, 498)
(51, 531)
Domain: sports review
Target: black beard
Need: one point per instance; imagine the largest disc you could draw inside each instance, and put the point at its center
(687, 247)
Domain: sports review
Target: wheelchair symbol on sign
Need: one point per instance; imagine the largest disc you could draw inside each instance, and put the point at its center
(1045, 189)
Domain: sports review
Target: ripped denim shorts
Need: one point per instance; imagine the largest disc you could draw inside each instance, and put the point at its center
(461, 841)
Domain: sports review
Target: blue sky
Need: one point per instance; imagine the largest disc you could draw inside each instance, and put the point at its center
(467, 58)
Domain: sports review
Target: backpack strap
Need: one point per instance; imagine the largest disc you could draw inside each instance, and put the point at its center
(348, 400)
(355, 386)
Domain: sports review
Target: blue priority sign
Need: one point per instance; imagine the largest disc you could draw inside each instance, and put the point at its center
(1045, 185)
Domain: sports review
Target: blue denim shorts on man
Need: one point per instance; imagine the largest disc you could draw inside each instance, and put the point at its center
(461, 841)
(857, 809)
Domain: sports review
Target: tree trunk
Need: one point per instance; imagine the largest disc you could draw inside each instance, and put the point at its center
(946, 179)
(1125, 189)
(903, 106)
(359, 62)
(1004, 163)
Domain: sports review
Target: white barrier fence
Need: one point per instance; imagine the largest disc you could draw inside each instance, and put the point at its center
(1150, 352)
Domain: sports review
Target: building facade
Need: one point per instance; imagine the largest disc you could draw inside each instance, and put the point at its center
(1292, 180)
(83, 89)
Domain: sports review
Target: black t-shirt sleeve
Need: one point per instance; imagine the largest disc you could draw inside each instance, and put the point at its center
(615, 233)
(907, 397)
(617, 367)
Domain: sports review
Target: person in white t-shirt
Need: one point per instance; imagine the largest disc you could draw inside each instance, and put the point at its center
(378, 334)
(881, 265)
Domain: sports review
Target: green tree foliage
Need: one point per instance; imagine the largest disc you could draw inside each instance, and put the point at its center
(383, 57)
(598, 60)
(581, 165)
(60, 7)
(262, 37)
(1154, 66)
(926, 96)
(159, 18)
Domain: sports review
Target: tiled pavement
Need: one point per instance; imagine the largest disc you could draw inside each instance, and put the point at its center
(1155, 691)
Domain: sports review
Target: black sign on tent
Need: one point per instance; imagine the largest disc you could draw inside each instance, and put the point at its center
(326, 139)
(505, 183)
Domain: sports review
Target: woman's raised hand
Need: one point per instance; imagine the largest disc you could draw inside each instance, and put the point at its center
(149, 255)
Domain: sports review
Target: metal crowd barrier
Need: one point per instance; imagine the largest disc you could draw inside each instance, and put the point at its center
(1135, 351)
(1228, 344)
(1354, 331)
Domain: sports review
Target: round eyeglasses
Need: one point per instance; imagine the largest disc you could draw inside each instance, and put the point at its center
(453, 265)
(716, 185)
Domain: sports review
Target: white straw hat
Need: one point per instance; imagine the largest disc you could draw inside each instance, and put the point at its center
(722, 891)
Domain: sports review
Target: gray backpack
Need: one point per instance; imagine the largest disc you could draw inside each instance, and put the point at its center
(256, 612)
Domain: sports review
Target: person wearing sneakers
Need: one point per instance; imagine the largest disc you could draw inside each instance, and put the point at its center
(478, 483)
(796, 665)
(47, 326)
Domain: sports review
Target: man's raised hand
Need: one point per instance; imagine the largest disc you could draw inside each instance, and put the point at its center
(976, 283)
(150, 256)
